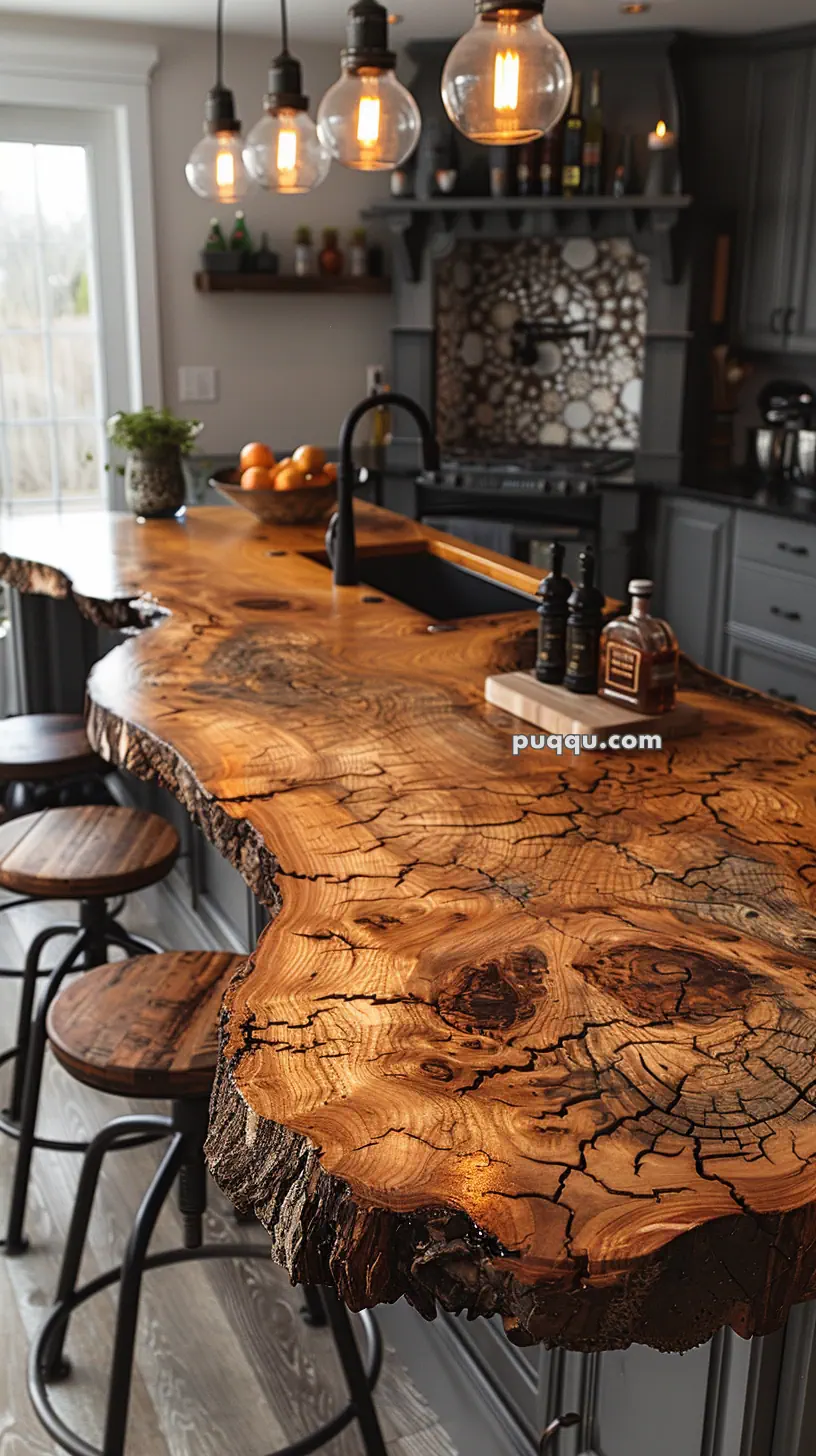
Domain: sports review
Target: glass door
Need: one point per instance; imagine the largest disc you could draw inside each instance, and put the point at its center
(62, 333)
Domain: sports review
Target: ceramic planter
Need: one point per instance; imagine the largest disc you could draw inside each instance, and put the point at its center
(154, 481)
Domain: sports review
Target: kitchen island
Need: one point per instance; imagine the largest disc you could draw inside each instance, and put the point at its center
(528, 1036)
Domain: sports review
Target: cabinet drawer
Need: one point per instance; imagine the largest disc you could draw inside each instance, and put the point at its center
(788, 545)
(770, 672)
(779, 602)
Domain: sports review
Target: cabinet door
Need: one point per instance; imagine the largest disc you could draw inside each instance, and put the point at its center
(800, 324)
(777, 112)
(693, 570)
(768, 668)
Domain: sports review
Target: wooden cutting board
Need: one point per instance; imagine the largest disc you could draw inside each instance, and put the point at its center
(554, 710)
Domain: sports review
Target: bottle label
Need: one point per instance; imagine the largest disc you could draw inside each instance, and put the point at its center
(551, 645)
(623, 668)
(582, 653)
(592, 154)
(572, 176)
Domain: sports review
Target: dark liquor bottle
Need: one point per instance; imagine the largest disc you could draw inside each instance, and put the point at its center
(528, 176)
(584, 624)
(623, 181)
(500, 171)
(573, 143)
(639, 657)
(592, 161)
(554, 591)
(549, 170)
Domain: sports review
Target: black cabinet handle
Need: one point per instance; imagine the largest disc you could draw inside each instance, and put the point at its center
(776, 320)
(563, 1422)
(787, 616)
(783, 697)
(787, 322)
(793, 550)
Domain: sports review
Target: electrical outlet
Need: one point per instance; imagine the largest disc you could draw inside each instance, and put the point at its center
(375, 375)
(198, 384)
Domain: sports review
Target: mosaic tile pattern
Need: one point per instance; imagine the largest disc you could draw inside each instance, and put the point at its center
(573, 396)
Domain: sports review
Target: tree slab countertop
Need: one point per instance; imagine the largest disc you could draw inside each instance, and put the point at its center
(528, 1036)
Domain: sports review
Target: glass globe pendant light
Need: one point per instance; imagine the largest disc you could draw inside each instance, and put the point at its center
(216, 167)
(507, 81)
(283, 152)
(368, 120)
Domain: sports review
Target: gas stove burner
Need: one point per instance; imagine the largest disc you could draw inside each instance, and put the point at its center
(540, 472)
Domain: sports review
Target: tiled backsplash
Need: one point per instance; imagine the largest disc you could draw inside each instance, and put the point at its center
(573, 396)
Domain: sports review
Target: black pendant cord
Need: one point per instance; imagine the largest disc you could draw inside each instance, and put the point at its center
(284, 29)
(219, 45)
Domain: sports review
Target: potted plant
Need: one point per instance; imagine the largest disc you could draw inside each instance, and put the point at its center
(155, 441)
(304, 252)
(216, 257)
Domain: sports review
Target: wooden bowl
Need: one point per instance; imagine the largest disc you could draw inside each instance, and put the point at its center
(306, 507)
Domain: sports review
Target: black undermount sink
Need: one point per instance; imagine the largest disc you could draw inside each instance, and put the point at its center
(440, 588)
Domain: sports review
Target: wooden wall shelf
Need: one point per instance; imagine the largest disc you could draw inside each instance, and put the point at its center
(284, 283)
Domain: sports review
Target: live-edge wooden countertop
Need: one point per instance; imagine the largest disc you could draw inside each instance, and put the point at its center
(532, 1036)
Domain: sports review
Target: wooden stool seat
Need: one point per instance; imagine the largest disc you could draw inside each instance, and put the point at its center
(146, 1027)
(88, 852)
(40, 747)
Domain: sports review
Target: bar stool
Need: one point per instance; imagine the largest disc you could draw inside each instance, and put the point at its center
(46, 761)
(109, 1033)
(89, 854)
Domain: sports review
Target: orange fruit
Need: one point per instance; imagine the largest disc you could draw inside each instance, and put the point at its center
(309, 459)
(281, 465)
(290, 479)
(257, 455)
(330, 469)
(320, 478)
(256, 478)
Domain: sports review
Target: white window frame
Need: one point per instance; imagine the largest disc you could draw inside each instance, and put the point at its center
(113, 78)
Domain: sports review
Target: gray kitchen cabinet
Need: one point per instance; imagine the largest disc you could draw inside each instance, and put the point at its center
(694, 548)
(761, 662)
(778, 303)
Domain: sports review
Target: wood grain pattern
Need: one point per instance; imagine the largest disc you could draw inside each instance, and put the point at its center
(146, 1027)
(86, 852)
(45, 746)
(529, 1037)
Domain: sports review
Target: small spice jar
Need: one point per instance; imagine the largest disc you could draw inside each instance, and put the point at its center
(358, 254)
(304, 253)
(331, 258)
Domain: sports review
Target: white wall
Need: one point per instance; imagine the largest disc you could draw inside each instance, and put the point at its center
(289, 366)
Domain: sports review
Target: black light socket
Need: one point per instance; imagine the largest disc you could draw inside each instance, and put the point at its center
(219, 111)
(285, 85)
(525, 8)
(367, 39)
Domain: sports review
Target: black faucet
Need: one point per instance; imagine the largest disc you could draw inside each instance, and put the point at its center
(341, 546)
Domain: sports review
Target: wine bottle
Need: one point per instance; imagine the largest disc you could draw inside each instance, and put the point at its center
(550, 164)
(554, 591)
(573, 144)
(592, 160)
(528, 171)
(623, 180)
(584, 624)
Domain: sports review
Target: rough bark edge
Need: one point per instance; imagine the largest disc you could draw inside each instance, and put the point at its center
(150, 759)
(748, 1272)
(35, 579)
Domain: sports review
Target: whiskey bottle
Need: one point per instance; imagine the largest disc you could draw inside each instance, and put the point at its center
(554, 591)
(639, 657)
(550, 165)
(573, 143)
(592, 160)
(584, 622)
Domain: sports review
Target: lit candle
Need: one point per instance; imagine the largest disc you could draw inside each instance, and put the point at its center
(661, 139)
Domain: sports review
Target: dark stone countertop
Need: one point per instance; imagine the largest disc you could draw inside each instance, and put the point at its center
(748, 493)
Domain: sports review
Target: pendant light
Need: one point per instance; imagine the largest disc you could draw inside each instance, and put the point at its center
(216, 167)
(368, 120)
(507, 81)
(283, 152)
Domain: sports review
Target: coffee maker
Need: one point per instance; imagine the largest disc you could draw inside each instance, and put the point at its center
(784, 446)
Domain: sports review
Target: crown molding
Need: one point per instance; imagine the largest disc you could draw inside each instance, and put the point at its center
(76, 60)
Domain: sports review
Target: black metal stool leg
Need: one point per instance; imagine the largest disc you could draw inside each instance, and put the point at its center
(14, 1241)
(51, 1363)
(115, 934)
(358, 1385)
(130, 1288)
(313, 1309)
(24, 1019)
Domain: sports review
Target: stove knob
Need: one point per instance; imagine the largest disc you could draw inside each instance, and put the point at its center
(583, 487)
(563, 487)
